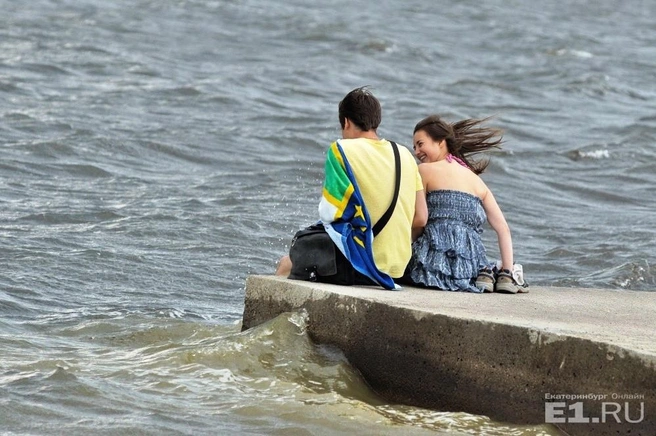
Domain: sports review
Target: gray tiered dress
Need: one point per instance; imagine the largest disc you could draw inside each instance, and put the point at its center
(450, 253)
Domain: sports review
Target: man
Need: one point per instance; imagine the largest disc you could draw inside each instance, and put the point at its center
(368, 162)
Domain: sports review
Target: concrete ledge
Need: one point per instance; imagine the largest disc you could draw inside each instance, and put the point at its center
(489, 354)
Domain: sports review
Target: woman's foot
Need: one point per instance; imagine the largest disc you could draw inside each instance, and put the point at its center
(507, 284)
(485, 280)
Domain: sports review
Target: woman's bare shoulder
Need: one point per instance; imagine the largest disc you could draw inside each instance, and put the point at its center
(480, 187)
(427, 167)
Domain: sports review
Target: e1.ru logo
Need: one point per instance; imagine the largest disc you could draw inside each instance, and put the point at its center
(555, 413)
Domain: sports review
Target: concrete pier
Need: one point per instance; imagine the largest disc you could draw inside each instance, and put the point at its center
(582, 359)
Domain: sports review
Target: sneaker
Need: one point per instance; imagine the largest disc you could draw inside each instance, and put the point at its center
(517, 273)
(485, 280)
(506, 283)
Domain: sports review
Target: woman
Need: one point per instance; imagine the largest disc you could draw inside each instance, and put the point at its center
(449, 253)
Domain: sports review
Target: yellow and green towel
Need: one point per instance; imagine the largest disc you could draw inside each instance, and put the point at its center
(345, 217)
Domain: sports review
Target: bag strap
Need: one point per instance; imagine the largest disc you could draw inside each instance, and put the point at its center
(388, 213)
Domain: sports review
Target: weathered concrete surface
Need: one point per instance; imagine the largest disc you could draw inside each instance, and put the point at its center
(489, 354)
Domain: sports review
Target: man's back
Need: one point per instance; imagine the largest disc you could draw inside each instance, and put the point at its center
(372, 162)
(370, 259)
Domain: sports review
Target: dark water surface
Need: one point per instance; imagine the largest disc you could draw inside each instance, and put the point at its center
(155, 153)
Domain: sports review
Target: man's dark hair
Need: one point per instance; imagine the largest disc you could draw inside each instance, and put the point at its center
(362, 108)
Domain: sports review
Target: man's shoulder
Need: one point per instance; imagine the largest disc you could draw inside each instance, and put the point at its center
(362, 145)
(353, 141)
(359, 142)
(357, 146)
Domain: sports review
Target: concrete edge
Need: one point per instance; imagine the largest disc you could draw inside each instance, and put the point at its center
(449, 363)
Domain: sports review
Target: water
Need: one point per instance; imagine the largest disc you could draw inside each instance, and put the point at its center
(155, 153)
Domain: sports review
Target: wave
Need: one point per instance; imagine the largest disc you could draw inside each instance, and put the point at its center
(131, 365)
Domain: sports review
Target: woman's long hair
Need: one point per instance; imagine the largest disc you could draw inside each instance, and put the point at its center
(463, 138)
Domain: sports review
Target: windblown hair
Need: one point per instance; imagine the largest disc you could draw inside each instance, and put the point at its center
(463, 138)
(362, 108)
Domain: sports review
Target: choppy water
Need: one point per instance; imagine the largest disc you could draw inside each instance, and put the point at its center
(155, 153)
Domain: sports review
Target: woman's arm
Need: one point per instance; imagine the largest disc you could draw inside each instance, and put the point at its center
(421, 215)
(498, 222)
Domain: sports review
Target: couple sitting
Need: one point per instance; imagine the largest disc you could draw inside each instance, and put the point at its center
(387, 220)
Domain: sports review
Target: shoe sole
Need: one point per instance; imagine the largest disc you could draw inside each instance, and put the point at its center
(506, 288)
(485, 286)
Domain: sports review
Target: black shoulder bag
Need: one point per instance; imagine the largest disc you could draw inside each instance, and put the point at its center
(315, 257)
